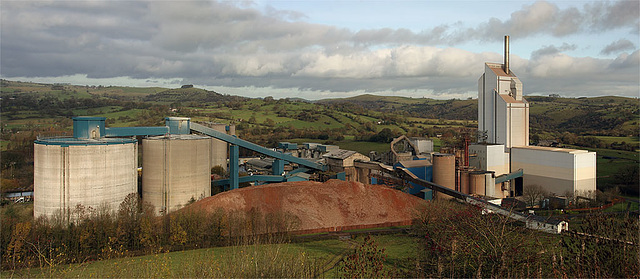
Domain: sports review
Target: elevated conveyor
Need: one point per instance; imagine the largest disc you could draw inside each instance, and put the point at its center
(278, 165)
(509, 176)
(254, 147)
(549, 225)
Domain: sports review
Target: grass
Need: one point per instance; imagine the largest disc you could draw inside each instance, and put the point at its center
(622, 206)
(269, 260)
(610, 140)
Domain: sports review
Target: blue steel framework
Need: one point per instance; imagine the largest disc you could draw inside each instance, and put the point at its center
(183, 125)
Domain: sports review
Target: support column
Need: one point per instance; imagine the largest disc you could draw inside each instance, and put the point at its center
(277, 167)
(234, 155)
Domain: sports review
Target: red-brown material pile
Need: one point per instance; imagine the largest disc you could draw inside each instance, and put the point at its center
(331, 206)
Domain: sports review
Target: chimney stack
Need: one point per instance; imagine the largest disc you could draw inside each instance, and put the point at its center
(506, 55)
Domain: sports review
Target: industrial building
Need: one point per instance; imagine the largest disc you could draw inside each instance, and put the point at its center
(560, 171)
(98, 166)
(176, 170)
(87, 169)
(341, 160)
(503, 148)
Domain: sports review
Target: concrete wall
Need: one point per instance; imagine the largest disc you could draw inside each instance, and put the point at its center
(175, 169)
(505, 121)
(219, 149)
(557, 170)
(90, 175)
(423, 145)
(348, 162)
(490, 157)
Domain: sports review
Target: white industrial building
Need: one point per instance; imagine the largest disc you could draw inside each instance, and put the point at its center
(503, 113)
(503, 124)
(557, 170)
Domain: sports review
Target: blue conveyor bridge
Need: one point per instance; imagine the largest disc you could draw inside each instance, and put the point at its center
(183, 125)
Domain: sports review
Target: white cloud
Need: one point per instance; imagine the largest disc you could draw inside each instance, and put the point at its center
(232, 45)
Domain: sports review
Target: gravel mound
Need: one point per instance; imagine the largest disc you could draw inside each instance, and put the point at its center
(331, 206)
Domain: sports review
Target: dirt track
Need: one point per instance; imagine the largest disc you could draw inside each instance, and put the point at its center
(330, 206)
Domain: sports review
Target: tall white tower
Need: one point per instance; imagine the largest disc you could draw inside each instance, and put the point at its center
(503, 114)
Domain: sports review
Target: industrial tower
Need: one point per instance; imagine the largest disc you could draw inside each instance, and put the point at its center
(503, 113)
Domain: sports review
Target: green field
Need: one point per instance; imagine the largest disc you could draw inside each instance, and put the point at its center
(236, 261)
(630, 140)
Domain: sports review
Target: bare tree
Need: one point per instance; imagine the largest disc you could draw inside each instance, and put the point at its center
(533, 193)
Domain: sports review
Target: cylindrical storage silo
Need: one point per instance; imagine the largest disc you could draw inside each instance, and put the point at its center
(477, 183)
(232, 130)
(92, 173)
(175, 170)
(219, 149)
(464, 181)
(444, 170)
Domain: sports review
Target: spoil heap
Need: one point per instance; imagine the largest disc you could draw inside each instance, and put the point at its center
(331, 206)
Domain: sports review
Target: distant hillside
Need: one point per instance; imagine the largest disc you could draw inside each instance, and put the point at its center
(594, 116)
(419, 107)
(586, 116)
(183, 95)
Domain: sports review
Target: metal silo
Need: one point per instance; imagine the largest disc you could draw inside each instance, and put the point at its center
(444, 170)
(176, 169)
(477, 183)
(464, 181)
(84, 170)
(219, 149)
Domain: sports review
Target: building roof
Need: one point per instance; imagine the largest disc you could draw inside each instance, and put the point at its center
(339, 154)
(510, 100)
(553, 149)
(75, 141)
(265, 163)
(179, 137)
(415, 163)
(497, 69)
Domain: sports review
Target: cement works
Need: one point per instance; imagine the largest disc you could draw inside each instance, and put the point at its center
(98, 165)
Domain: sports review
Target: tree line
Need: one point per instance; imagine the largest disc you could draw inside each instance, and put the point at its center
(99, 234)
(460, 241)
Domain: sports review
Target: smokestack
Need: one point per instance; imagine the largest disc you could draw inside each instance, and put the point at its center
(506, 54)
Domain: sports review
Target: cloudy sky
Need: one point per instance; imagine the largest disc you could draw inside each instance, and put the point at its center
(324, 49)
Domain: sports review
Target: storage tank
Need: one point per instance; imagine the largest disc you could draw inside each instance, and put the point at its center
(444, 170)
(477, 183)
(84, 170)
(219, 149)
(464, 181)
(232, 130)
(175, 170)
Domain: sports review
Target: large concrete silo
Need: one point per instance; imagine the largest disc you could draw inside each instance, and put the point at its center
(219, 149)
(464, 181)
(85, 170)
(477, 183)
(444, 171)
(175, 170)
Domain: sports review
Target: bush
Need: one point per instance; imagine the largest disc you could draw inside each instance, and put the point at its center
(367, 261)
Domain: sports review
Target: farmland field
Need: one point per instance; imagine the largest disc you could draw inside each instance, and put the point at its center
(234, 261)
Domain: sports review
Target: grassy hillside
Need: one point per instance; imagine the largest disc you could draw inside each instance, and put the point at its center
(613, 116)
(32, 109)
(586, 116)
(252, 261)
(422, 107)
